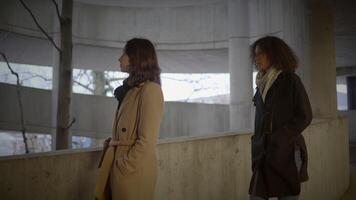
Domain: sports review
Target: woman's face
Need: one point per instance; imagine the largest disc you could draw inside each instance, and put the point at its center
(261, 60)
(124, 61)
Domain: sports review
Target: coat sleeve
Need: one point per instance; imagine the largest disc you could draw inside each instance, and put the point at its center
(302, 109)
(302, 112)
(282, 141)
(150, 114)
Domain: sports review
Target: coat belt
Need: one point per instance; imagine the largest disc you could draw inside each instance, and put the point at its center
(122, 142)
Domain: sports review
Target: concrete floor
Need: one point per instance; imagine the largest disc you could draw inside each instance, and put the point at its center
(351, 192)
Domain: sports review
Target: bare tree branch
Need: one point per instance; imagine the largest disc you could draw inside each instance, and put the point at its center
(114, 79)
(73, 121)
(88, 76)
(35, 76)
(82, 85)
(196, 84)
(19, 101)
(183, 80)
(195, 90)
(39, 26)
(79, 75)
(57, 10)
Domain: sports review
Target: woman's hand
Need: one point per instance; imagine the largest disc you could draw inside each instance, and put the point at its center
(106, 142)
(105, 146)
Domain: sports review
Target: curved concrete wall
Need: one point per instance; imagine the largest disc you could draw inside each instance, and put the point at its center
(94, 114)
(191, 37)
(37, 51)
(148, 3)
(207, 23)
(192, 26)
(211, 167)
(172, 25)
(14, 17)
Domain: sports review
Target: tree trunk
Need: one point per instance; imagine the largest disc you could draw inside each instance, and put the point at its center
(65, 77)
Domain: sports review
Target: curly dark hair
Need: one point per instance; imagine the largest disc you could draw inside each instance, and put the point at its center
(280, 55)
(143, 61)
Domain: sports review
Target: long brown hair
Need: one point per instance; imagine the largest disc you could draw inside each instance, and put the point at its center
(280, 55)
(143, 61)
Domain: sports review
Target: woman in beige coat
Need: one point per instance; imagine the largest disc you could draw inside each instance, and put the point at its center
(128, 167)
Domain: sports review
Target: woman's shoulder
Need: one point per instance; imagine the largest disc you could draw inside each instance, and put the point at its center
(289, 76)
(150, 85)
(151, 88)
(152, 91)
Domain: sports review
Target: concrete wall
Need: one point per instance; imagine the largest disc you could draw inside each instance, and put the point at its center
(351, 115)
(37, 51)
(100, 32)
(94, 114)
(210, 167)
(345, 32)
(182, 119)
(193, 26)
(287, 19)
(191, 37)
(173, 25)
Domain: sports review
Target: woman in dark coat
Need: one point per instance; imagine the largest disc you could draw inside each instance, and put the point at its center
(279, 153)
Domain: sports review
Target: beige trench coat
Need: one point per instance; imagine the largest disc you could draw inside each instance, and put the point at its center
(129, 165)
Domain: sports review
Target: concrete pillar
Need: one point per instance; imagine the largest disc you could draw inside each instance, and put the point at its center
(351, 92)
(99, 82)
(239, 65)
(323, 64)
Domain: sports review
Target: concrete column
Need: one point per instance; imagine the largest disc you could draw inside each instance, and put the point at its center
(351, 92)
(239, 65)
(323, 64)
(99, 82)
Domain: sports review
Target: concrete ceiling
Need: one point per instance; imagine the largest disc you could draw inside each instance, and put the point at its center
(148, 3)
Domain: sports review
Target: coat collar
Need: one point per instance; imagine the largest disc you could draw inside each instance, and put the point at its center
(128, 97)
(272, 87)
(141, 84)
